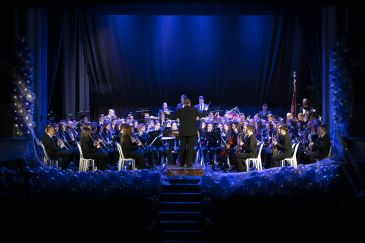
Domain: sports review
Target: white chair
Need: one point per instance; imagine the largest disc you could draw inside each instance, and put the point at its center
(293, 160)
(84, 164)
(329, 152)
(122, 159)
(48, 161)
(256, 161)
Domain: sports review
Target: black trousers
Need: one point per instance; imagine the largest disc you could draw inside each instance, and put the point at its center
(276, 157)
(186, 150)
(100, 157)
(239, 160)
(65, 156)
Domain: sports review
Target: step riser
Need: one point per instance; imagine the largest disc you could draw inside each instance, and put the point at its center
(180, 216)
(180, 188)
(181, 197)
(183, 235)
(181, 226)
(182, 181)
(181, 207)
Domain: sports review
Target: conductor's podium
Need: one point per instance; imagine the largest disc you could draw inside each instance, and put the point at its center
(196, 170)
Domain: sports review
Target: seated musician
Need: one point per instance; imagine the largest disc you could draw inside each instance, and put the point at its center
(212, 144)
(66, 137)
(155, 135)
(282, 148)
(106, 133)
(91, 148)
(150, 152)
(320, 149)
(249, 149)
(132, 147)
(181, 104)
(165, 109)
(265, 111)
(55, 150)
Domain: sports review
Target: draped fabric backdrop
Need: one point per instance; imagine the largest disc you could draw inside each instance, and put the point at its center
(135, 61)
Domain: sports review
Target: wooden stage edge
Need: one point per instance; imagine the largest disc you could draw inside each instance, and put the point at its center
(181, 171)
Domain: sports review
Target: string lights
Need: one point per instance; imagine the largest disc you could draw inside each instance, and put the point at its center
(23, 96)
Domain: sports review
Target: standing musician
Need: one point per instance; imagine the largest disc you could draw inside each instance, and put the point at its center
(282, 148)
(202, 107)
(132, 147)
(249, 149)
(54, 149)
(187, 131)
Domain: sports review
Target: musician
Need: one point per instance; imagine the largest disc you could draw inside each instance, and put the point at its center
(265, 111)
(202, 107)
(270, 118)
(212, 147)
(187, 131)
(72, 132)
(282, 148)
(242, 117)
(321, 148)
(181, 104)
(306, 110)
(249, 149)
(111, 115)
(158, 145)
(101, 119)
(165, 109)
(301, 123)
(106, 133)
(66, 137)
(91, 149)
(175, 150)
(292, 125)
(55, 150)
(132, 147)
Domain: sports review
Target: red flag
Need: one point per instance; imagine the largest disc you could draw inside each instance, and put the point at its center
(293, 108)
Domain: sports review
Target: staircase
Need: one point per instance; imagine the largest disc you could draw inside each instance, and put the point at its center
(180, 213)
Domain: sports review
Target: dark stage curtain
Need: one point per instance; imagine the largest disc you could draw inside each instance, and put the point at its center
(135, 61)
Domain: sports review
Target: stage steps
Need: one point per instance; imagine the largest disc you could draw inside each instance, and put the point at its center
(180, 211)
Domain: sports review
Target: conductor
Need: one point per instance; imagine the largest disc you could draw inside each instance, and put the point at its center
(187, 131)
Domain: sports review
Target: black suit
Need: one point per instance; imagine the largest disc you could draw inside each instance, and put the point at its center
(55, 152)
(284, 150)
(132, 150)
(320, 149)
(89, 151)
(187, 133)
(250, 151)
